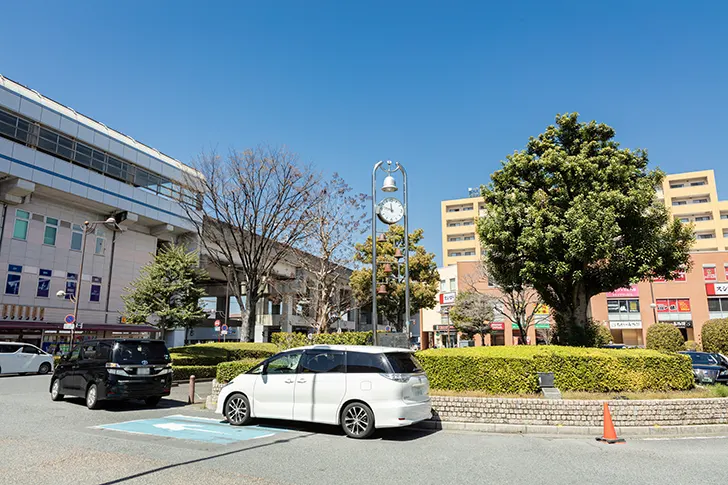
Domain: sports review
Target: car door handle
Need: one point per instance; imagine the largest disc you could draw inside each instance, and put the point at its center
(288, 381)
(301, 381)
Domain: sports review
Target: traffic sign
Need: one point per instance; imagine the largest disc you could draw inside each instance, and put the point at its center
(67, 326)
(224, 328)
(223, 332)
(70, 319)
(217, 323)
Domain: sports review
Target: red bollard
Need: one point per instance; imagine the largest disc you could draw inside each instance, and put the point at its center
(191, 397)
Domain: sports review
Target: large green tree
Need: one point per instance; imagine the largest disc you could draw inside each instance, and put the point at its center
(424, 278)
(169, 287)
(575, 215)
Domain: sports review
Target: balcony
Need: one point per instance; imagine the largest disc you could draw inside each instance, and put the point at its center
(453, 245)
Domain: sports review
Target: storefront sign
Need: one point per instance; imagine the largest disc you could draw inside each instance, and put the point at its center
(444, 328)
(710, 273)
(713, 289)
(497, 326)
(677, 276)
(683, 323)
(542, 309)
(624, 324)
(673, 306)
(624, 292)
(447, 298)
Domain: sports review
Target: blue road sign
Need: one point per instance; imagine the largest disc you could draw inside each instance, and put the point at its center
(224, 328)
(192, 428)
(70, 318)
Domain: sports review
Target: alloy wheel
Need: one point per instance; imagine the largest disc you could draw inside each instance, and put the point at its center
(237, 410)
(356, 420)
(55, 389)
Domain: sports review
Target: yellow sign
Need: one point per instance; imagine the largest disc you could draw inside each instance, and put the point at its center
(542, 309)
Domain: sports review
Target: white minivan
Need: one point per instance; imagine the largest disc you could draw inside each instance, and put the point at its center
(22, 358)
(358, 387)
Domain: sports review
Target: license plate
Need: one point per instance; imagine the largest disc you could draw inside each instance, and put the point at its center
(418, 391)
(143, 371)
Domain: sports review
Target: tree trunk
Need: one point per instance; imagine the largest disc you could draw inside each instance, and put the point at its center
(571, 320)
(482, 337)
(248, 329)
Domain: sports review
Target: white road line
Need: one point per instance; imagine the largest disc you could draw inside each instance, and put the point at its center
(685, 438)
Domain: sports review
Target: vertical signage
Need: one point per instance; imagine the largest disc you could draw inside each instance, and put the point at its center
(710, 273)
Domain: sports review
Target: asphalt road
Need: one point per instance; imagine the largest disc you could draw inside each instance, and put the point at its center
(43, 442)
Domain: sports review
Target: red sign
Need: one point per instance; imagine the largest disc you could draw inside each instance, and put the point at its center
(217, 323)
(710, 273)
(713, 289)
(624, 292)
(673, 306)
(497, 326)
(677, 276)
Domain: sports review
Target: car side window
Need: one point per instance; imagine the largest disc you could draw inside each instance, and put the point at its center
(89, 351)
(366, 363)
(322, 361)
(7, 349)
(285, 364)
(75, 353)
(103, 352)
(27, 349)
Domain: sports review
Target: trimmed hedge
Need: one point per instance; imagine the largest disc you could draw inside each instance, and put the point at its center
(290, 340)
(183, 372)
(512, 370)
(215, 353)
(715, 335)
(227, 371)
(664, 337)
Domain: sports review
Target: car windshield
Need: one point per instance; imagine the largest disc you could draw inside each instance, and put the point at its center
(704, 359)
(138, 352)
(403, 362)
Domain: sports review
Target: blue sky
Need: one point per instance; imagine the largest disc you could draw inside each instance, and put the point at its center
(448, 88)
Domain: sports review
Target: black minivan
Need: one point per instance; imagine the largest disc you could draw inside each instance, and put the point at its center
(114, 369)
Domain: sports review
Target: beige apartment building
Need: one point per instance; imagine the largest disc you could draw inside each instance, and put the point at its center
(692, 197)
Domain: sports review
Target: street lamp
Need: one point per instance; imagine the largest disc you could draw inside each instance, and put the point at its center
(389, 213)
(87, 226)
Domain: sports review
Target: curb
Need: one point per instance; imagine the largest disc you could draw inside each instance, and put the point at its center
(577, 431)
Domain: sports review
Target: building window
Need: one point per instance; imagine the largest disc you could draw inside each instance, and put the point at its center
(95, 293)
(469, 238)
(455, 254)
(452, 284)
(100, 241)
(679, 202)
(706, 236)
(468, 223)
(443, 285)
(718, 307)
(44, 283)
(51, 231)
(685, 220)
(467, 208)
(700, 201)
(623, 306)
(469, 253)
(20, 231)
(76, 237)
(724, 216)
(703, 218)
(676, 186)
(699, 183)
(12, 284)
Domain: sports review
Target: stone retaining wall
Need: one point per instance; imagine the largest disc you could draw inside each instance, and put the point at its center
(663, 412)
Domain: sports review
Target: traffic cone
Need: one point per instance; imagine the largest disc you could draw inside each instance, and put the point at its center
(610, 436)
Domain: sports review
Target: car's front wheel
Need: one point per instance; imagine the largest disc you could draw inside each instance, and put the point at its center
(237, 410)
(357, 420)
(92, 397)
(56, 391)
(45, 368)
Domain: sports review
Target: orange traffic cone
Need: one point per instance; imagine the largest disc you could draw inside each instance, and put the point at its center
(610, 436)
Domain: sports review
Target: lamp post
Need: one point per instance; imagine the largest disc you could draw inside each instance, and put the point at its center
(79, 278)
(389, 214)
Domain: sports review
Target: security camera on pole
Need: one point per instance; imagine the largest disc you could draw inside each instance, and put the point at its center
(390, 211)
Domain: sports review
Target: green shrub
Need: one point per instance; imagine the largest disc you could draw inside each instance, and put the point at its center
(227, 371)
(664, 337)
(213, 354)
(512, 370)
(692, 345)
(183, 372)
(715, 335)
(290, 340)
(597, 334)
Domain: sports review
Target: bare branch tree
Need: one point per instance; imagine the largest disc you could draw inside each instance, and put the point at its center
(338, 218)
(517, 303)
(258, 207)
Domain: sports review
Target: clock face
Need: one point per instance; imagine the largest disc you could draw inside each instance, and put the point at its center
(390, 210)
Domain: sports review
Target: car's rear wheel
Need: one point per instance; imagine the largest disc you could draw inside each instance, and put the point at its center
(56, 391)
(357, 420)
(45, 368)
(152, 401)
(92, 397)
(237, 410)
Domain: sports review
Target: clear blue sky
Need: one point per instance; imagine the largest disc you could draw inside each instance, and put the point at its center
(446, 88)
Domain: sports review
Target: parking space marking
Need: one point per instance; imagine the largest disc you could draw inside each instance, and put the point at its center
(191, 428)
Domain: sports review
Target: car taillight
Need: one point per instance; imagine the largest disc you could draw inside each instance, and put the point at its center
(398, 377)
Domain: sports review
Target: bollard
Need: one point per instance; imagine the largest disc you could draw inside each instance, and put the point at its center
(191, 397)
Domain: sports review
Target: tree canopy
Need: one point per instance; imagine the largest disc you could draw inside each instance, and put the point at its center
(472, 313)
(169, 287)
(424, 278)
(575, 215)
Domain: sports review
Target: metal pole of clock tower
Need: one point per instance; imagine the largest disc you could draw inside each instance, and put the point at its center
(406, 254)
(375, 340)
